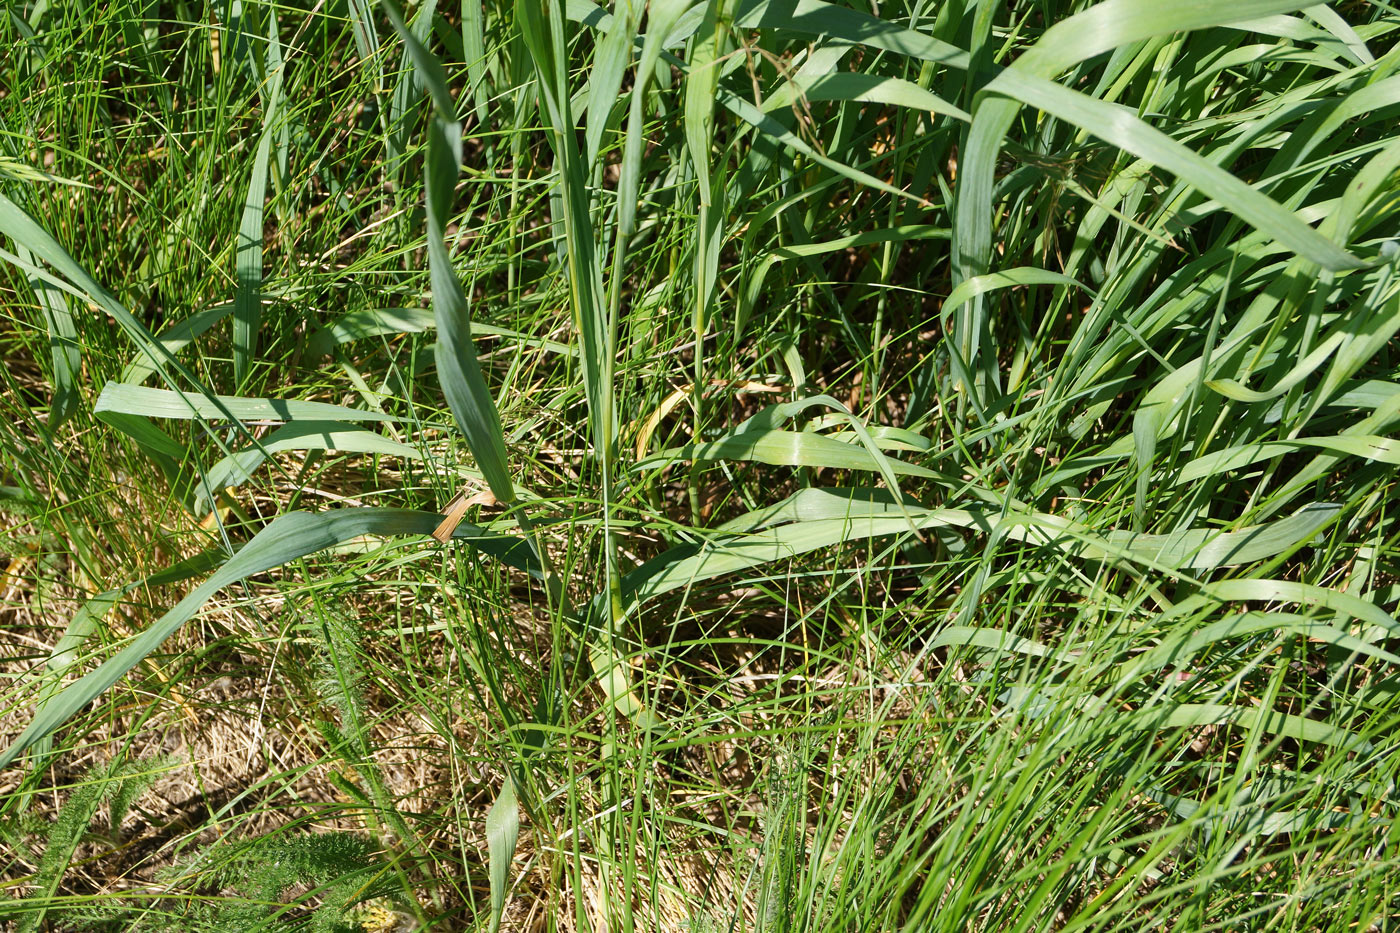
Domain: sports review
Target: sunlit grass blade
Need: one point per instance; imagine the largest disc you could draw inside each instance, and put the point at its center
(147, 402)
(610, 62)
(247, 301)
(63, 345)
(474, 50)
(286, 538)
(385, 322)
(237, 468)
(541, 27)
(458, 369)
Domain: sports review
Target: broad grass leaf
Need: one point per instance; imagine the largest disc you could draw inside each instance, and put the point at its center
(1180, 646)
(247, 299)
(366, 39)
(146, 402)
(286, 538)
(610, 60)
(541, 29)
(64, 350)
(819, 18)
(474, 50)
(386, 322)
(837, 516)
(1007, 278)
(502, 835)
(869, 88)
(1308, 594)
(459, 372)
(238, 468)
(786, 448)
(1380, 449)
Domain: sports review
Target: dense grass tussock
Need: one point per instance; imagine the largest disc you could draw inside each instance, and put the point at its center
(922, 466)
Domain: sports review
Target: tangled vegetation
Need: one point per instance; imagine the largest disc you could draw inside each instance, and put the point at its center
(712, 465)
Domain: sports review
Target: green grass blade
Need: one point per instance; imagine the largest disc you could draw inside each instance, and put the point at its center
(1366, 447)
(474, 50)
(786, 448)
(458, 369)
(610, 60)
(63, 344)
(819, 18)
(585, 276)
(1123, 129)
(366, 40)
(178, 336)
(146, 402)
(247, 300)
(20, 227)
(873, 89)
(502, 835)
(385, 322)
(237, 468)
(285, 539)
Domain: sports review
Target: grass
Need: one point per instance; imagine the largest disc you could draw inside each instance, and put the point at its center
(928, 467)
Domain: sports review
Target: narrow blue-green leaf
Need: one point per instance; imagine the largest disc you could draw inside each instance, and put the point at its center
(829, 518)
(701, 84)
(662, 16)
(752, 115)
(1307, 594)
(1122, 128)
(366, 40)
(1188, 715)
(1106, 26)
(810, 17)
(65, 653)
(1099, 29)
(964, 636)
(1368, 329)
(1367, 447)
(1331, 21)
(1007, 278)
(474, 49)
(541, 26)
(1209, 549)
(1182, 647)
(818, 18)
(402, 101)
(870, 88)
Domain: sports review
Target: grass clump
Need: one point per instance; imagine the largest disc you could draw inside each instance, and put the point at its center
(926, 467)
